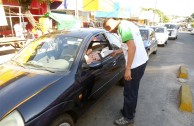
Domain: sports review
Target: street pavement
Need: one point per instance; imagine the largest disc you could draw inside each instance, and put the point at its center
(159, 89)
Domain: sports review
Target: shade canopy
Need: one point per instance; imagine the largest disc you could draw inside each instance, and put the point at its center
(65, 21)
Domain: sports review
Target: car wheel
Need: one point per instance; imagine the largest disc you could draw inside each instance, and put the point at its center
(166, 42)
(163, 45)
(155, 51)
(64, 120)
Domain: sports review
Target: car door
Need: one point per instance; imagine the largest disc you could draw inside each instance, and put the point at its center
(118, 59)
(95, 80)
(153, 41)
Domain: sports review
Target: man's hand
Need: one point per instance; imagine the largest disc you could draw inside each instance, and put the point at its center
(128, 74)
(115, 52)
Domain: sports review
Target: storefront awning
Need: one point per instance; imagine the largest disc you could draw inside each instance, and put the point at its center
(65, 21)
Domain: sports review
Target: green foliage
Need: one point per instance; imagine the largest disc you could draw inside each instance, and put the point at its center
(38, 26)
(189, 19)
(163, 17)
(192, 25)
(192, 15)
(166, 19)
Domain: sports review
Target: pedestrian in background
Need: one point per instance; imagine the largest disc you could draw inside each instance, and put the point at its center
(136, 59)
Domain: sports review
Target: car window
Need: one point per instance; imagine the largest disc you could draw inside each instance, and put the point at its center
(55, 53)
(114, 40)
(170, 26)
(98, 49)
(144, 34)
(159, 30)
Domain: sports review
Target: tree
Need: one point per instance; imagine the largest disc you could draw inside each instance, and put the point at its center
(189, 19)
(25, 6)
(192, 15)
(163, 17)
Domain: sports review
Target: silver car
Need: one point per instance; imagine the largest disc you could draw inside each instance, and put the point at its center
(149, 39)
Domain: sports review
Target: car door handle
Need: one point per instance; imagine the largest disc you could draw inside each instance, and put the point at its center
(114, 63)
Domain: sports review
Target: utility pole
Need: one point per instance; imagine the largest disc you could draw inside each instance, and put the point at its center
(154, 11)
(76, 10)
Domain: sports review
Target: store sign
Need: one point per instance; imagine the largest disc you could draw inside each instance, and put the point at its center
(120, 11)
(3, 21)
(98, 5)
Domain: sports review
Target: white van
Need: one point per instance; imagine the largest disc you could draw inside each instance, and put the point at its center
(172, 30)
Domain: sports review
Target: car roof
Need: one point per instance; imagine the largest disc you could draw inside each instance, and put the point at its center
(145, 28)
(170, 24)
(160, 27)
(79, 33)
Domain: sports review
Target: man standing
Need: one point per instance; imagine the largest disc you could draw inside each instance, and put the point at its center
(136, 59)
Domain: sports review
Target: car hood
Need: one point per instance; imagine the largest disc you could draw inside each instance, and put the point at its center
(17, 86)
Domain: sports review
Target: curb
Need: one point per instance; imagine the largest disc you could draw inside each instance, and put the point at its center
(185, 98)
(183, 72)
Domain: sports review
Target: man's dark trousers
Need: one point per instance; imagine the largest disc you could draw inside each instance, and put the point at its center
(131, 91)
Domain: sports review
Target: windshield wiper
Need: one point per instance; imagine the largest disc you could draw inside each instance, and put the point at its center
(46, 69)
(33, 64)
(18, 63)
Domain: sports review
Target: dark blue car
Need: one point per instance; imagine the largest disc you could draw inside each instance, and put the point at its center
(49, 83)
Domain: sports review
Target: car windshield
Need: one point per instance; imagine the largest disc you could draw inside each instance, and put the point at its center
(170, 26)
(159, 30)
(144, 34)
(50, 53)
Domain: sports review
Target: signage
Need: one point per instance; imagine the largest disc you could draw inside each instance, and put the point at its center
(3, 21)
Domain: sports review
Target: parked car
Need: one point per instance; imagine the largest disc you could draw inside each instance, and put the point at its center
(49, 83)
(161, 35)
(192, 32)
(172, 30)
(149, 39)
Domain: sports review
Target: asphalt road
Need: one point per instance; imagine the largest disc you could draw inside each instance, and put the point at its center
(159, 89)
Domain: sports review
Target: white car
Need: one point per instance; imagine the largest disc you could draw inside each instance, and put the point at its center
(161, 35)
(172, 30)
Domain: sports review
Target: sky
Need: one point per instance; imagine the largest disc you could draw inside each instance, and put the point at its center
(168, 7)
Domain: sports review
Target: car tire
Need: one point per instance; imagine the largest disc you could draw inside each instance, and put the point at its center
(155, 51)
(163, 45)
(64, 120)
(166, 42)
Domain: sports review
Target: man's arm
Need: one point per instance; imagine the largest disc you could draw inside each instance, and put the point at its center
(131, 53)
